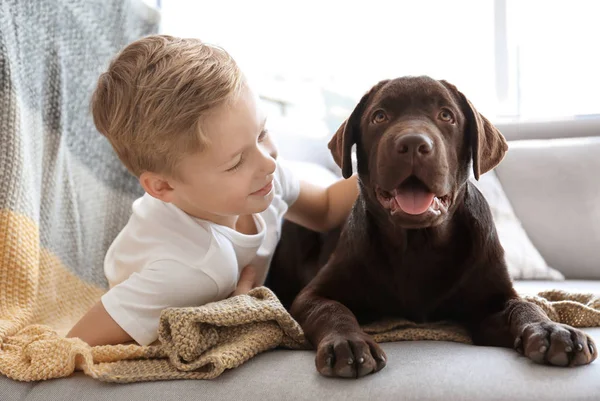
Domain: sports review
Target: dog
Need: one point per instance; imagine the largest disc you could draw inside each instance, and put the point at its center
(420, 242)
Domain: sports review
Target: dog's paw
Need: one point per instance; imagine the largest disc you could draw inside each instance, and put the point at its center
(349, 355)
(556, 344)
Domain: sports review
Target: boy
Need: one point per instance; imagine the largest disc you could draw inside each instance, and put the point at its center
(182, 118)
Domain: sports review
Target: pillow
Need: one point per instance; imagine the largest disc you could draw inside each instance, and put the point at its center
(523, 259)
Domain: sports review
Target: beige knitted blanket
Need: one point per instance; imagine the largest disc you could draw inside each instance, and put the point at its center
(202, 342)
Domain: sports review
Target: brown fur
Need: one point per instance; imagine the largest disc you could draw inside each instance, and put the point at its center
(425, 268)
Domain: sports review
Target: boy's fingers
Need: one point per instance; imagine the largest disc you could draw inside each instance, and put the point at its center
(246, 281)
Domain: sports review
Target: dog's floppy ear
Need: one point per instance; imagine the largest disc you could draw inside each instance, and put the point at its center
(341, 147)
(346, 135)
(487, 143)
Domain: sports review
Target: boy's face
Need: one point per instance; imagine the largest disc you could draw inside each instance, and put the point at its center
(234, 174)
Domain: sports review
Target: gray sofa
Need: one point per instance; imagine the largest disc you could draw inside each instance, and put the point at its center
(551, 180)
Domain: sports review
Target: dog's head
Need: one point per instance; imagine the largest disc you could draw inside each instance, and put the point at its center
(416, 138)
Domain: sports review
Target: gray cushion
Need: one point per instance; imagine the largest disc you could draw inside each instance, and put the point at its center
(553, 187)
(415, 371)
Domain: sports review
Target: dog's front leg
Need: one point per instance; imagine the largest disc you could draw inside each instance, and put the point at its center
(527, 328)
(343, 348)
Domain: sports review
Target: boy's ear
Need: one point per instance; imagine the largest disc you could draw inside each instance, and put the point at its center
(156, 186)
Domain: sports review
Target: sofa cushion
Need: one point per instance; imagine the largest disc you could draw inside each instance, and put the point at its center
(415, 371)
(553, 187)
(419, 370)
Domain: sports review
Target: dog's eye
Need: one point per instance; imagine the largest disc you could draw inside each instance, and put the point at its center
(379, 117)
(446, 116)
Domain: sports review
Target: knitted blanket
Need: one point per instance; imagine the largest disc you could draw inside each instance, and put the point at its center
(202, 342)
(64, 195)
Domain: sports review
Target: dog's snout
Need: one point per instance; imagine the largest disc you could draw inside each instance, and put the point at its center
(417, 144)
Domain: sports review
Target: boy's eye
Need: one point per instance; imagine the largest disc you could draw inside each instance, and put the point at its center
(261, 137)
(237, 165)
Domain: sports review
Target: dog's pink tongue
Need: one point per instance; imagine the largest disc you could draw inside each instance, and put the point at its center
(414, 200)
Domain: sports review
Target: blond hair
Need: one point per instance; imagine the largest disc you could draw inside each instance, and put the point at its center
(150, 102)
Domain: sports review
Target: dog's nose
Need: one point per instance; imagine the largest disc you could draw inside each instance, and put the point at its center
(418, 144)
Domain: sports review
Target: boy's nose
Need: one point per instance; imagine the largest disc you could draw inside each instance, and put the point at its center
(268, 164)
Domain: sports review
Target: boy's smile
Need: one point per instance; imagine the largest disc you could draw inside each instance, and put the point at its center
(264, 191)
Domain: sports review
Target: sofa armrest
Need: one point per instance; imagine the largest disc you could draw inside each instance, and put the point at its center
(551, 129)
(554, 188)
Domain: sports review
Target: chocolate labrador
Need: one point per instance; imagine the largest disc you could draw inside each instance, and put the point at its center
(420, 242)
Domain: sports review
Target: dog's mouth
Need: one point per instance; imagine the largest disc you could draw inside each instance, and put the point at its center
(413, 198)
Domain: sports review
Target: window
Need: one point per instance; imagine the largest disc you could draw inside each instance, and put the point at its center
(312, 60)
(554, 58)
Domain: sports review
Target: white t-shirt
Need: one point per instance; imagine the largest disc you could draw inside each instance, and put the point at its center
(165, 258)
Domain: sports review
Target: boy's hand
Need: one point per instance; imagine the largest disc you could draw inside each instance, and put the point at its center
(246, 282)
(323, 209)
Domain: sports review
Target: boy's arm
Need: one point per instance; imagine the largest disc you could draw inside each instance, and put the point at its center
(144, 295)
(323, 209)
(97, 327)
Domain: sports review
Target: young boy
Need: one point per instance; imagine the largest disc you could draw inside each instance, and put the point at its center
(182, 118)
